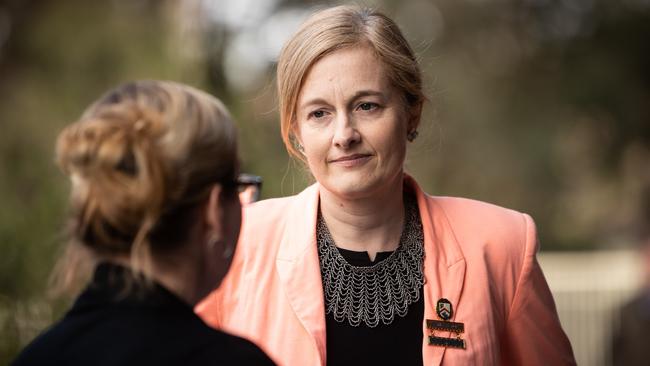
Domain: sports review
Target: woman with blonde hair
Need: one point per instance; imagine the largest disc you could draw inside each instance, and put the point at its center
(155, 210)
(363, 267)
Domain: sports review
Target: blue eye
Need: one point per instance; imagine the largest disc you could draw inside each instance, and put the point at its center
(318, 114)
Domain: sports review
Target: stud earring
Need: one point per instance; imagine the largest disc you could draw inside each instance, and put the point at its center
(213, 240)
(412, 135)
(300, 147)
(228, 251)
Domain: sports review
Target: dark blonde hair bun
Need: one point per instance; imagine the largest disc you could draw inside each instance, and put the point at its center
(140, 159)
(117, 173)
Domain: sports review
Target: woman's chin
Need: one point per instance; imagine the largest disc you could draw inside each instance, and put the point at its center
(362, 185)
(353, 188)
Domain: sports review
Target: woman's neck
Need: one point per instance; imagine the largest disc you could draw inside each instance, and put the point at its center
(178, 281)
(173, 272)
(371, 224)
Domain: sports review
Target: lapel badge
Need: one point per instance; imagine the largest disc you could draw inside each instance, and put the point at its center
(444, 309)
(445, 312)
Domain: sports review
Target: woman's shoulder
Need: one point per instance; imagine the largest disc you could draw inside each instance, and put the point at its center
(43, 349)
(209, 346)
(227, 349)
(269, 216)
(466, 214)
(473, 210)
(270, 209)
(472, 222)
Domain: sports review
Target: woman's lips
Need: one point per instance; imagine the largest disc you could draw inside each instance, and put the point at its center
(351, 160)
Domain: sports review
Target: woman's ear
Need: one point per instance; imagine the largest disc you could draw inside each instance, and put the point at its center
(414, 115)
(297, 144)
(295, 138)
(213, 210)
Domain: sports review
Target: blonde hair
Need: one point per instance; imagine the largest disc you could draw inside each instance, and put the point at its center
(335, 28)
(141, 159)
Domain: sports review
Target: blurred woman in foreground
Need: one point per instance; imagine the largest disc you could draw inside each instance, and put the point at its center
(363, 267)
(155, 210)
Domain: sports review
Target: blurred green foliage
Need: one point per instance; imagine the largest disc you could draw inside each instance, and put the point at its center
(542, 106)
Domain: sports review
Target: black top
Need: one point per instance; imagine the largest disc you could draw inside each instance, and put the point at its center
(107, 326)
(399, 343)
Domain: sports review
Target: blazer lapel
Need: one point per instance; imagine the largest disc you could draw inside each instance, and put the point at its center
(444, 269)
(299, 268)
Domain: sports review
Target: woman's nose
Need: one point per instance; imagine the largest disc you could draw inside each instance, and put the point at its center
(345, 133)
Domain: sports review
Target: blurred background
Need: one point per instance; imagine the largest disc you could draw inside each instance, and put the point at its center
(542, 106)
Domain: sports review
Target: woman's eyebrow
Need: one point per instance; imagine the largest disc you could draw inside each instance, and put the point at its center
(367, 93)
(311, 102)
(355, 96)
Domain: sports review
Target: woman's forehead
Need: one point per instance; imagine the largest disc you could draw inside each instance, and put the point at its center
(346, 72)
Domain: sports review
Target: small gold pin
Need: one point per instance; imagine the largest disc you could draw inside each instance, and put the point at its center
(445, 311)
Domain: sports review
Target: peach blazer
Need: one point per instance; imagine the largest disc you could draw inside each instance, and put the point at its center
(479, 256)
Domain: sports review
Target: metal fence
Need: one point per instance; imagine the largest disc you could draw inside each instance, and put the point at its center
(589, 289)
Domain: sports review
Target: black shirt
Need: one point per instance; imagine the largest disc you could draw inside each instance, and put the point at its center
(108, 326)
(399, 343)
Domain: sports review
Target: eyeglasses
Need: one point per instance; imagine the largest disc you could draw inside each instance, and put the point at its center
(249, 187)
